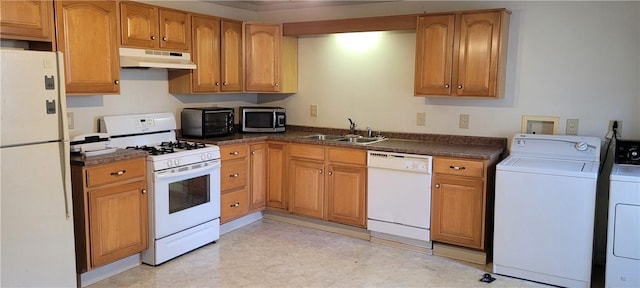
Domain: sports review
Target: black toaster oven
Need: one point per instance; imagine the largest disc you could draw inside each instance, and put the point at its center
(207, 122)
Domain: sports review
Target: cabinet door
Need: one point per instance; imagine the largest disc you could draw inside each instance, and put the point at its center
(457, 211)
(175, 30)
(118, 221)
(262, 57)
(26, 20)
(306, 186)
(258, 158)
(139, 25)
(346, 194)
(231, 56)
(478, 54)
(206, 54)
(277, 176)
(434, 54)
(87, 35)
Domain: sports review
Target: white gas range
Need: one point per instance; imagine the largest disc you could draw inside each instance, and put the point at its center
(183, 181)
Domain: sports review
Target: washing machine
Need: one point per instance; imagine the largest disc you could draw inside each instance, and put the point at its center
(623, 231)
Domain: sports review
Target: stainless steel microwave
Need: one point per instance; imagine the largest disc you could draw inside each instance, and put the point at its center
(207, 121)
(262, 119)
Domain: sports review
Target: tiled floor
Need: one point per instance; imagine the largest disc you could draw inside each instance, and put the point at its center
(270, 253)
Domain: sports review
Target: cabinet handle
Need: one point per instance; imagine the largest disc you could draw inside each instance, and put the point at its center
(457, 167)
(234, 175)
(225, 83)
(144, 191)
(116, 82)
(437, 185)
(164, 38)
(330, 173)
(234, 153)
(459, 86)
(118, 173)
(234, 205)
(447, 86)
(217, 83)
(153, 37)
(319, 171)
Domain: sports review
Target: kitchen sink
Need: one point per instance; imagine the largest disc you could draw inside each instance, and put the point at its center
(362, 140)
(345, 139)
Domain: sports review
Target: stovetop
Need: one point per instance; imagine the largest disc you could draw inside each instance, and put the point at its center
(169, 147)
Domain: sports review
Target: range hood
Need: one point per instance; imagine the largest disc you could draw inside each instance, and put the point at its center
(144, 58)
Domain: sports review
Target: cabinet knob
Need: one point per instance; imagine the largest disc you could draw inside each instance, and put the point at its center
(234, 205)
(234, 153)
(330, 173)
(116, 82)
(253, 152)
(277, 84)
(217, 83)
(118, 173)
(144, 191)
(164, 38)
(459, 86)
(457, 168)
(437, 185)
(319, 171)
(447, 86)
(153, 37)
(225, 83)
(234, 175)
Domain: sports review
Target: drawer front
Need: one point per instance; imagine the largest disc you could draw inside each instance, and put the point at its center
(460, 167)
(234, 205)
(231, 152)
(115, 172)
(350, 156)
(307, 151)
(233, 174)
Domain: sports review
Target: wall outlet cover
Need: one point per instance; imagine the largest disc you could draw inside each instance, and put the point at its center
(420, 119)
(463, 123)
(572, 127)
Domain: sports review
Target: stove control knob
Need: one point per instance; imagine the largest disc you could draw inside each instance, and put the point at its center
(169, 163)
(203, 156)
(176, 162)
(210, 156)
(582, 146)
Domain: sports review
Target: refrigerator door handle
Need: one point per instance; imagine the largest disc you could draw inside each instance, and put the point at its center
(66, 172)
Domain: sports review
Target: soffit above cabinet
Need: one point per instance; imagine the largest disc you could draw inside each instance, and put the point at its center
(268, 5)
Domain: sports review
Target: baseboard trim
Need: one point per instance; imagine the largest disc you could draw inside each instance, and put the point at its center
(346, 230)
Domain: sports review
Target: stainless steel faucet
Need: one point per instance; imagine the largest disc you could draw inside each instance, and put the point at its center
(352, 126)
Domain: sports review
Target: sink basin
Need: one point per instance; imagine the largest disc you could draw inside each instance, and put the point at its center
(362, 140)
(323, 137)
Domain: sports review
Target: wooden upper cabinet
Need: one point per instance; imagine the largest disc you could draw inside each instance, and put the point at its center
(87, 34)
(270, 59)
(150, 27)
(27, 20)
(206, 54)
(462, 54)
(231, 56)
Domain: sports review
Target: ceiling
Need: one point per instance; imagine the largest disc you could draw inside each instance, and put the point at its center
(271, 5)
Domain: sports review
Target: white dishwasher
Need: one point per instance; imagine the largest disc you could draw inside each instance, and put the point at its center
(399, 197)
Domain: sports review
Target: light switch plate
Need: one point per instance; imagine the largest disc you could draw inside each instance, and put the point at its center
(313, 110)
(420, 119)
(464, 121)
(71, 120)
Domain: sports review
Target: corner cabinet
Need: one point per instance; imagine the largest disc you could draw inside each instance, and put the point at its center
(110, 212)
(277, 197)
(217, 53)
(150, 27)
(462, 54)
(27, 20)
(271, 59)
(87, 34)
(462, 202)
(328, 183)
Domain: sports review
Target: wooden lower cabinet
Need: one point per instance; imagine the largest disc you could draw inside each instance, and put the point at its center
(328, 183)
(110, 212)
(461, 202)
(258, 176)
(277, 172)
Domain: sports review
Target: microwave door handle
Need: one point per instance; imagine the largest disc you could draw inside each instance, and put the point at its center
(275, 120)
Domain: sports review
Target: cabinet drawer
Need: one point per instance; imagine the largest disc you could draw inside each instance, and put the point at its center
(234, 205)
(461, 167)
(307, 151)
(350, 156)
(233, 174)
(232, 152)
(115, 172)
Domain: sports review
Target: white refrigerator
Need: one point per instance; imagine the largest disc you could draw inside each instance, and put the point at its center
(37, 240)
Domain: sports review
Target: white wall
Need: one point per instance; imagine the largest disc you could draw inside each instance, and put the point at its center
(567, 59)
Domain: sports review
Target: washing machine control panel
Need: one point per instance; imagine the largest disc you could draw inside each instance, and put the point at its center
(628, 152)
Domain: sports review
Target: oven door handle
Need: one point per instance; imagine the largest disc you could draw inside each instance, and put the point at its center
(163, 175)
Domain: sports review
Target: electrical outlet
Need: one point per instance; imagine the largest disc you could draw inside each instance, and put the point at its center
(71, 120)
(572, 127)
(420, 119)
(618, 130)
(464, 121)
(313, 110)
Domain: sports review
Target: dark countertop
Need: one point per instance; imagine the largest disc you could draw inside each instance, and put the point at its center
(425, 144)
(119, 154)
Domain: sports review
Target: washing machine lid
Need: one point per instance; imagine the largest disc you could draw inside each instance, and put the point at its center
(550, 166)
(625, 172)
